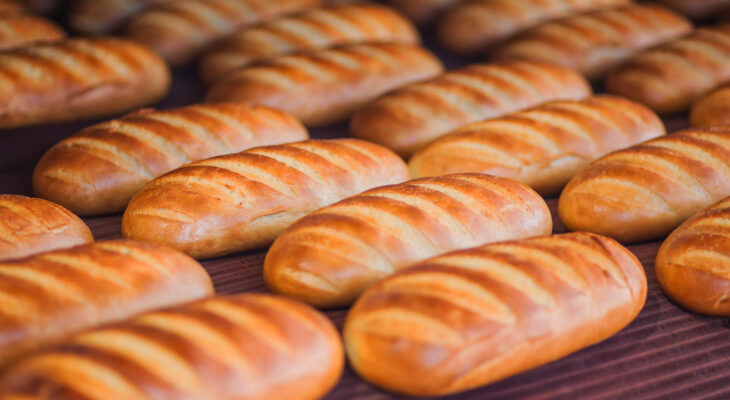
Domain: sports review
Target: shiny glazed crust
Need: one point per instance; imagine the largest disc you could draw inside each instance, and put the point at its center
(18, 30)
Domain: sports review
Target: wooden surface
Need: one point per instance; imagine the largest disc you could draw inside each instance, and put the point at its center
(666, 353)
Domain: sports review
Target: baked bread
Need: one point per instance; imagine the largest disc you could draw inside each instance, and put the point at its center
(99, 169)
(179, 30)
(104, 16)
(544, 146)
(243, 201)
(647, 190)
(712, 109)
(51, 295)
(18, 30)
(29, 225)
(693, 266)
(596, 42)
(325, 86)
(8, 7)
(474, 26)
(330, 256)
(423, 11)
(77, 79)
(409, 118)
(245, 347)
(697, 9)
(473, 317)
(671, 77)
(311, 30)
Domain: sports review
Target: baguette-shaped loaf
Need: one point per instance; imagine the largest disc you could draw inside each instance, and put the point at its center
(104, 16)
(671, 77)
(472, 317)
(475, 26)
(693, 263)
(243, 201)
(712, 109)
(330, 256)
(696, 9)
(98, 170)
(51, 295)
(423, 11)
(409, 118)
(544, 146)
(18, 30)
(325, 86)
(8, 7)
(315, 29)
(244, 347)
(596, 42)
(76, 79)
(647, 190)
(29, 225)
(180, 29)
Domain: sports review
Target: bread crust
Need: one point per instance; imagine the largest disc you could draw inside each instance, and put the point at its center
(645, 191)
(544, 146)
(30, 225)
(99, 169)
(696, 9)
(712, 109)
(96, 17)
(244, 347)
(9, 7)
(18, 30)
(476, 316)
(423, 12)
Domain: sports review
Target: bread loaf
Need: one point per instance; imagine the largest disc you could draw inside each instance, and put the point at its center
(325, 86)
(315, 29)
(98, 170)
(712, 109)
(18, 30)
(647, 190)
(423, 11)
(245, 347)
(409, 118)
(77, 79)
(330, 256)
(693, 263)
(29, 225)
(181, 29)
(697, 9)
(596, 42)
(670, 78)
(473, 317)
(8, 7)
(544, 146)
(243, 201)
(51, 295)
(474, 26)
(104, 16)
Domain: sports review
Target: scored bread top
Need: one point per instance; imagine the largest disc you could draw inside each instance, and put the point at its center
(314, 29)
(18, 30)
(543, 146)
(330, 256)
(29, 225)
(645, 191)
(472, 317)
(594, 43)
(249, 346)
(243, 201)
(99, 169)
(104, 16)
(409, 118)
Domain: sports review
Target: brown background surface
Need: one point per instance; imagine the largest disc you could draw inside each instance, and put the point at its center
(666, 353)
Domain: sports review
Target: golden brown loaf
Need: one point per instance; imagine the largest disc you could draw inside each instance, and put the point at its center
(315, 29)
(671, 77)
(697, 9)
(472, 317)
(712, 109)
(596, 42)
(99, 170)
(474, 26)
(244, 347)
(330, 256)
(29, 225)
(51, 295)
(104, 16)
(243, 201)
(409, 118)
(8, 7)
(693, 264)
(325, 86)
(181, 29)
(23, 29)
(77, 79)
(423, 11)
(544, 146)
(647, 190)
